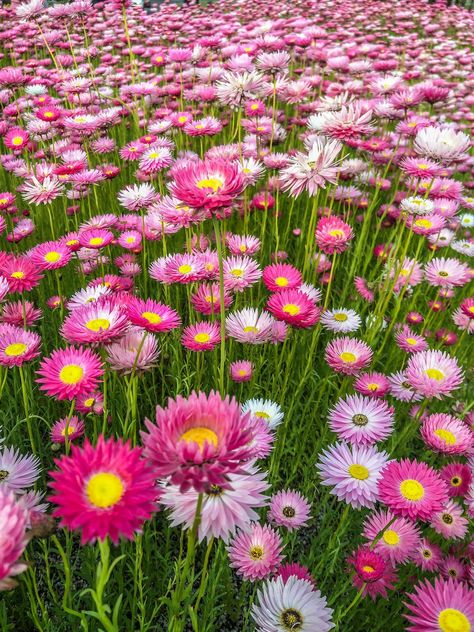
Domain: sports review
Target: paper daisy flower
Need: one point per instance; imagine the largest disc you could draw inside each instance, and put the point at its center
(291, 605)
(372, 575)
(70, 372)
(412, 489)
(427, 555)
(71, 428)
(353, 473)
(458, 477)
(240, 273)
(256, 552)
(433, 373)
(399, 540)
(410, 341)
(136, 351)
(289, 509)
(401, 389)
(201, 337)
(241, 370)
(152, 315)
(18, 472)
(206, 299)
(443, 272)
(447, 434)
(107, 490)
(361, 420)
(17, 345)
(264, 409)
(281, 276)
(372, 384)
(198, 441)
(348, 355)
(450, 522)
(13, 541)
(341, 320)
(249, 325)
(333, 235)
(285, 571)
(51, 255)
(444, 605)
(294, 307)
(97, 323)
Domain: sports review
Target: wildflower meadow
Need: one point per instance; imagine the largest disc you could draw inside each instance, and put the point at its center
(236, 316)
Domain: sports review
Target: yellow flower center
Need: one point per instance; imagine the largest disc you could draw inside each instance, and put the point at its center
(159, 58)
(360, 472)
(243, 248)
(391, 537)
(372, 386)
(185, 269)
(130, 240)
(52, 256)
(202, 337)
(368, 569)
(182, 119)
(423, 223)
(281, 281)
(336, 232)
(445, 435)
(456, 481)
(411, 341)
(17, 141)
(89, 402)
(104, 490)
(18, 275)
(98, 324)
(96, 241)
(151, 317)
(262, 414)
(71, 374)
(256, 552)
(254, 106)
(242, 372)
(291, 309)
(347, 356)
(70, 430)
(435, 374)
(211, 183)
(411, 489)
(16, 349)
(48, 114)
(200, 435)
(237, 272)
(210, 299)
(340, 317)
(404, 272)
(453, 620)
(72, 242)
(251, 329)
(3, 200)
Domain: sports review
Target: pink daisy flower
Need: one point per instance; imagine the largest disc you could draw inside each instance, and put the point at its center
(16, 138)
(97, 323)
(136, 351)
(198, 441)
(447, 434)
(333, 235)
(18, 471)
(412, 489)
(433, 373)
(294, 307)
(185, 268)
(363, 289)
(51, 255)
(361, 420)
(71, 428)
(289, 509)
(348, 355)
(353, 472)
(256, 553)
(21, 273)
(240, 273)
(201, 337)
(451, 567)
(445, 605)
(443, 272)
(409, 341)
(17, 345)
(242, 244)
(223, 511)
(107, 490)
(280, 276)
(399, 539)
(372, 384)
(372, 574)
(450, 522)
(206, 299)
(130, 240)
(285, 571)
(458, 478)
(152, 315)
(427, 555)
(241, 370)
(13, 540)
(401, 389)
(70, 372)
(90, 403)
(95, 238)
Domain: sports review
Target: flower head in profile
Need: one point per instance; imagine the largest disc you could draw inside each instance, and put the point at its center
(106, 490)
(13, 540)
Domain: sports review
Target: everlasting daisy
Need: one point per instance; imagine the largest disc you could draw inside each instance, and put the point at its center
(241, 371)
(240, 273)
(223, 511)
(103, 490)
(372, 384)
(87, 295)
(292, 605)
(348, 355)
(443, 144)
(243, 244)
(449, 522)
(452, 567)
(447, 434)
(353, 472)
(280, 276)
(198, 441)
(71, 428)
(409, 341)
(412, 489)
(341, 320)
(443, 272)
(51, 255)
(333, 235)
(361, 420)
(95, 238)
(17, 345)
(70, 372)
(17, 472)
(206, 299)
(399, 536)
(13, 540)
(136, 351)
(372, 575)
(152, 315)
(21, 273)
(264, 409)
(255, 553)
(433, 373)
(289, 509)
(293, 307)
(99, 322)
(201, 337)
(427, 555)
(441, 606)
(285, 571)
(248, 325)
(458, 477)
(401, 389)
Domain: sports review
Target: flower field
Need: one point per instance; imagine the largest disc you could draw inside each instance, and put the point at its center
(236, 317)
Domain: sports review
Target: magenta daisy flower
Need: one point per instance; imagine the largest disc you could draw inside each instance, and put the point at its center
(450, 522)
(372, 384)
(240, 273)
(17, 345)
(241, 370)
(152, 315)
(103, 490)
(372, 574)
(447, 434)
(399, 538)
(70, 372)
(289, 509)
(51, 255)
(97, 323)
(409, 341)
(412, 489)
(442, 606)
(294, 307)
(95, 238)
(210, 184)
(451, 567)
(433, 373)
(427, 555)
(285, 571)
(13, 540)
(71, 428)
(21, 273)
(281, 276)
(348, 355)
(353, 472)
(361, 420)
(333, 235)
(206, 299)
(201, 337)
(443, 272)
(199, 440)
(458, 477)
(255, 553)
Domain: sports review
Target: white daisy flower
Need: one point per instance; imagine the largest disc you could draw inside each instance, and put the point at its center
(264, 409)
